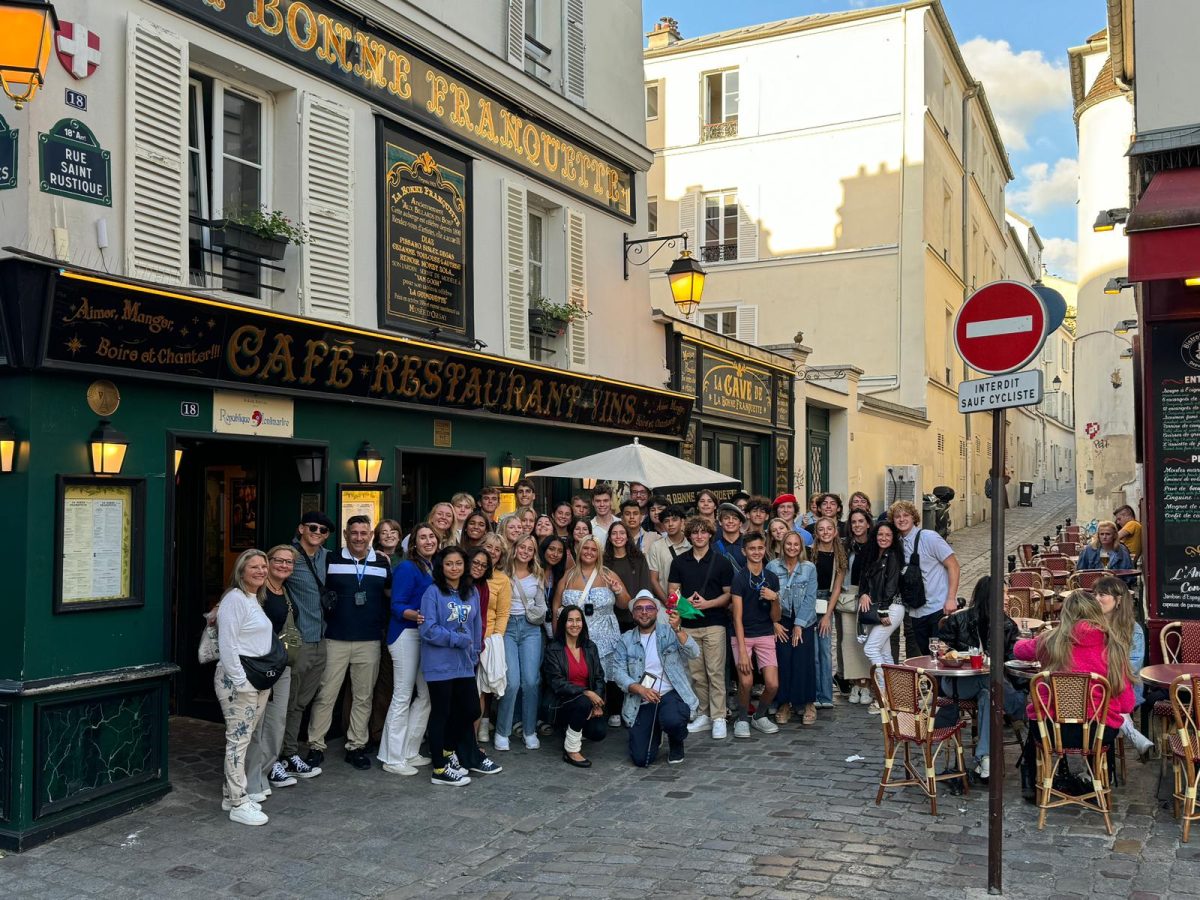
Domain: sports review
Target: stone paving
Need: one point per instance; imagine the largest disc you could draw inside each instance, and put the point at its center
(786, 815)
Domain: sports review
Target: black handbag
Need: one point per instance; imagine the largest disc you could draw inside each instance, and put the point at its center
(912, 582)
(869, 618)
(263, 671)
(329, 597)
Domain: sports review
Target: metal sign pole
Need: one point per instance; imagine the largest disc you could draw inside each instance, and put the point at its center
(996, 652)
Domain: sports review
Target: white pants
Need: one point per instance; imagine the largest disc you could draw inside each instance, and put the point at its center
(879, 639)
(406, 717)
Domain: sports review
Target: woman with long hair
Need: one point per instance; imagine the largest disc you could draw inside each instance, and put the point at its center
(706, 505)
(543, 527)
(522, 644)
(628, 563)
(879, 594)
(853, 664)
(552, 553)
(1117, 603)
(243, 629)
(441, 520)
(387, 540)
(829, 556)
(451, 636)
(408, 712)
(497, 589)
(528, 516)
(777, 530)
(475, 529)
(597, 591)
(562, 517)
(580, 529)
(574, 677)
(795, 632)
(1104, 551)
(512, 529)
(463, 504)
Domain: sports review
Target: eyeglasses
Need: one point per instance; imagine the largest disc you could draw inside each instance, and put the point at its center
(317, 529)
(282, 560)
(644, 608)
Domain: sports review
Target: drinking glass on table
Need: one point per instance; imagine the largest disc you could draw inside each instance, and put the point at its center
(934, 645)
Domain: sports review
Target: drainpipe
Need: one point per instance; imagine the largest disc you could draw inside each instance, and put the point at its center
(968, 95)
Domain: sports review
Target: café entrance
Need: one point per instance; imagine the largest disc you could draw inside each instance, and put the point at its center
(231, 494)
(427, 477)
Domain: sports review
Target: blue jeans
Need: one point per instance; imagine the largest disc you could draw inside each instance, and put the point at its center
(671, 715)
(523, 660)
(824, 666)
(979, 687)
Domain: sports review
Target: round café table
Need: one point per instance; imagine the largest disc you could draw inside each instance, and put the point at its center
(1164, 674)
(926, 663)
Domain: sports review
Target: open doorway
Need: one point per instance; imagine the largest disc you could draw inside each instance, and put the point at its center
(427, 477)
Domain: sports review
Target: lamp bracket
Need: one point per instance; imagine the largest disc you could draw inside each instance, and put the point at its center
(639, 247)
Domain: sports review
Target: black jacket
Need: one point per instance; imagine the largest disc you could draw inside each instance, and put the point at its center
(881, 581)
(554, 674)
(964, 630)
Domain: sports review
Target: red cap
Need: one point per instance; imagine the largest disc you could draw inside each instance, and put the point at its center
(786, 498)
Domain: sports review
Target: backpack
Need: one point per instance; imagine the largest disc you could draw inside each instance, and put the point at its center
(987, 489)
(912, 582)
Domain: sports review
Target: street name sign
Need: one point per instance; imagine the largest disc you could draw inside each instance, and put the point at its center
(1001, 392)
(1000, 327)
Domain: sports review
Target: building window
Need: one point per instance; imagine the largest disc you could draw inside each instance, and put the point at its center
(720, 227)
(652, 215)
(722, 321)
(536, 261)
(537, 54)
(533, 19)
(720, 105)
(652, 100)
(227, 176)
(947, 221)
(1066, 356)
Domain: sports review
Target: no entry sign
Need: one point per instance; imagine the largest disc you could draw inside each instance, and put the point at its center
(1000, 327)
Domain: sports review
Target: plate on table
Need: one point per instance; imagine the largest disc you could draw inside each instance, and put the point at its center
(1023, 665)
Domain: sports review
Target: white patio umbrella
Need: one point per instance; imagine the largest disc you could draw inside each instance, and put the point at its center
(637, 462)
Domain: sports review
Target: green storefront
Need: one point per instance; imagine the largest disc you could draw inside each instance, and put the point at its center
(235, 420)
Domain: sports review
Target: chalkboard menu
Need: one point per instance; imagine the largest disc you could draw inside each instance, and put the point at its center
(1175, 361)
(424, 235)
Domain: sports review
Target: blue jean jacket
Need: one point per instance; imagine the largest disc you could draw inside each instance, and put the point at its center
(797, 592)
(629, 664)
(1137, 656)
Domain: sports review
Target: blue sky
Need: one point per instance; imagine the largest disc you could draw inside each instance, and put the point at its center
(1017, 48)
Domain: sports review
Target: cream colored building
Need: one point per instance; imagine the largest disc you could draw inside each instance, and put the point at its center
(840, 175)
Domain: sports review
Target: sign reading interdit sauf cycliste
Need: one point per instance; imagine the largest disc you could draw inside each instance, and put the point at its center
(999, 329)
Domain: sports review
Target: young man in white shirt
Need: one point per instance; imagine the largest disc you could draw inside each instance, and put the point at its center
(602, 521)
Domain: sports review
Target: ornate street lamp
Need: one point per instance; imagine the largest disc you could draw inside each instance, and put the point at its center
(686, 274)
(309, 465)
(510, 470)
(27, 29)
(368, 462)
(8, 445)
(108, 449)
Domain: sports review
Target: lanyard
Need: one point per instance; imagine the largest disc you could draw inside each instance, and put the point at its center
(360, 573)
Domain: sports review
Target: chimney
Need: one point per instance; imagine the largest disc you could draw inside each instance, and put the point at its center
(665, 33)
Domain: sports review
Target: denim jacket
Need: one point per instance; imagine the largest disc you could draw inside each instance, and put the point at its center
(797, 592)
(629, 664)
(1137, 656)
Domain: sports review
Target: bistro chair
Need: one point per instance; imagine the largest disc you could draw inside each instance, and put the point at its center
(1066, 548)
(1085, 580)
(1180, 643)
(1027, 553)
(1079, 700)
(1025, 578)
(908, 701)
(1060, 568)
(1184, 744)
(1073, 533)
(1022, 603)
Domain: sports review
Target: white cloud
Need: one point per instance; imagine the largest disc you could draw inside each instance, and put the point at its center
(1043, 187)
(1021, 85)
(1058, 256)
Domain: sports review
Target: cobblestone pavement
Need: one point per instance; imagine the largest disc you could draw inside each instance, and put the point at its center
(786, 815)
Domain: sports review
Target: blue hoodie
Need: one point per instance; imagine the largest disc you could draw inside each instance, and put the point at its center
(450, 635)
(410, 580)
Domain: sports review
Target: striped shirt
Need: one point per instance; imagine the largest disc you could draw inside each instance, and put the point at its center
(350, 621)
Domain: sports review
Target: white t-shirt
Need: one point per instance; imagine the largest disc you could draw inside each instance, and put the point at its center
(933, 550)
(529, 584)
(654, 664)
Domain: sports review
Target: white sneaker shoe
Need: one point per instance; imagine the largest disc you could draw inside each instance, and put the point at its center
(532, 742)
(401, 769)
(984, 769)
(484, 732)
(700, 723)
(719, 731)
(418, 761)
(260, 797)
(854, 694)
(500, 742)
(864, 696)
(227, 804)
(765, 725)
(741, 729)
(248, 814)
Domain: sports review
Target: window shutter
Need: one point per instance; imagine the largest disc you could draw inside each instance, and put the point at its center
(747, 235)
(515, 254)
(747, 324)
(326, 189)
(687, 218)
(576, 270)
(516, 33)
(156, 212)
(575, 52)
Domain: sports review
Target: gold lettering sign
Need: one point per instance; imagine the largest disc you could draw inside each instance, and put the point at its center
(734, 387)
(336, 44)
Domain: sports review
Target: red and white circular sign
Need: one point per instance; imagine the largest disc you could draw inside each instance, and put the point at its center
(1000, 327)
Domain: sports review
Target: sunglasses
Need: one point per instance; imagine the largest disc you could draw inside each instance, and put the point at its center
(644, 608)
(317, 529)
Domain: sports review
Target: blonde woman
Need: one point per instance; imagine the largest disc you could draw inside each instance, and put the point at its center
(522, 643)
(463, 504)
(243, 629)
(828, 554)
(441, 520)
(1117, 603)
(512, 529)
(1104, 551)
(777, 530)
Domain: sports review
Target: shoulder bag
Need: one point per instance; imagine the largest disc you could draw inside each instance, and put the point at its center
(912, 582)
(329, 598)
(847, 601)
(290, 635)
(210, 650)
(535, 610)
(263, 671)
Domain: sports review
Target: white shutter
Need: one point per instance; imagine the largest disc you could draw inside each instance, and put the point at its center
(156, 108)
(574, 52)
(687, 219)
(514, 282)
(747, 234)
(326, 189)
(576, 269)
(747, 324)
(516, 33)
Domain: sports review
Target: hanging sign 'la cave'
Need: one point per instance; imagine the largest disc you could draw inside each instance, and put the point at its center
(73, 164)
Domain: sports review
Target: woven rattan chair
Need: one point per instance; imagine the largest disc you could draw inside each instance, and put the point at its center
(1060, 569)
(1070, 698)
(1027, 553)
(1022, 603)
(1180, 643)
(1184, 744)
(908, 702)
(1066, 548)
(1026, 578)
(1084, 580)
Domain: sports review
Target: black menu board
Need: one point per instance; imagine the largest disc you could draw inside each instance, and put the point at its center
(1175, 361)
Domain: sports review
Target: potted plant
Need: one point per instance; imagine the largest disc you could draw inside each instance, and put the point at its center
(551, 319)
(262, 233)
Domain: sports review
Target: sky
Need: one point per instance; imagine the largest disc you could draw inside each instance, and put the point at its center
(1017, 48)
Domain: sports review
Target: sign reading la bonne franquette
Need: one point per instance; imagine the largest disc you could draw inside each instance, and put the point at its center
(341, 46)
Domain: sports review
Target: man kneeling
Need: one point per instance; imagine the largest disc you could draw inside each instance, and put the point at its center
(651, 668)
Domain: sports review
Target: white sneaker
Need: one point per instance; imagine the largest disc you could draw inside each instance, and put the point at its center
(700, 723)
(261, 796)
(865, 696)
(719, 731)
(614, 721)
(248, 814)
(741, 729)
(500, 742)
(873, 709)
(532, 742)
(400, 769)
(984, 769)
(227, 804)
(765, 725)
(418, 761)
(484, 732)
(855, 694)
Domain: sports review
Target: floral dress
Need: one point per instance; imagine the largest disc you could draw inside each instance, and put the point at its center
(602, 623)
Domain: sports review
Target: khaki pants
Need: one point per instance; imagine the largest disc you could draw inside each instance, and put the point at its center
(306, 680)
(708, 670)
(362, 659)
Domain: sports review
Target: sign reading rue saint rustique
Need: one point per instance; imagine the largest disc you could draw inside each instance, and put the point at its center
(73, 164)
(343, 47)
(101, 326)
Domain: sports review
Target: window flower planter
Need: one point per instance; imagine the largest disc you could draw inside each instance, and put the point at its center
(232, 236)
(541, 323)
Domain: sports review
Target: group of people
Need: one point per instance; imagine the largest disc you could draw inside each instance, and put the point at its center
(593, 615)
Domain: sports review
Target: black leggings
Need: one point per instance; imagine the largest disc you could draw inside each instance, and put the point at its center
(454, 707)
(574, 714)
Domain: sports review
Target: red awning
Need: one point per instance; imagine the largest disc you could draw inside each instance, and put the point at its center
(1164, 228)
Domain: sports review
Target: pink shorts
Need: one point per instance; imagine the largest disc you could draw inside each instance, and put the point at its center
(761, 650)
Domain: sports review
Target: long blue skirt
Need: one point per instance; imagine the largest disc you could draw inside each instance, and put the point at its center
(797, 668)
